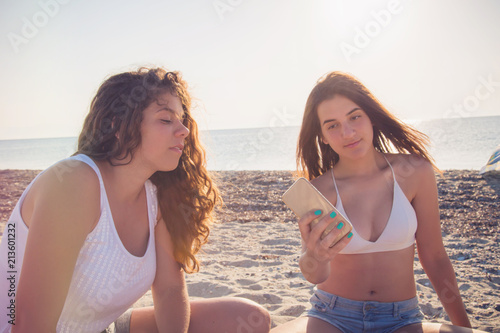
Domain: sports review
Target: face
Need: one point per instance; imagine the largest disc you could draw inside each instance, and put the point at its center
(345, 127)
(162, 134)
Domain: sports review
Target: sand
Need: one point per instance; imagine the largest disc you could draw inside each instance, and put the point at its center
(254, 247)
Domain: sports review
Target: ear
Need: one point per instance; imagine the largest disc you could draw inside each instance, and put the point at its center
(113, 124)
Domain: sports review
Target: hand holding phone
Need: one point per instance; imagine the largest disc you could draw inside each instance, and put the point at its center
(303, 197)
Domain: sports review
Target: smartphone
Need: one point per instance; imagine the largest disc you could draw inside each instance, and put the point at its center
(303, 197)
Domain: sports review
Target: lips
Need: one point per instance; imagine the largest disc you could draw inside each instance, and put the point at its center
(352, 144)
(178, 148)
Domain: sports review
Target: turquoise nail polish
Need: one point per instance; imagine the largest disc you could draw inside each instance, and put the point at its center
(318, 212)
(340, 225)
(333, 214)
(349, 235)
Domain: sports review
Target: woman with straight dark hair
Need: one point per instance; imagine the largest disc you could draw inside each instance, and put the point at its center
(377, 172)
(127, 212)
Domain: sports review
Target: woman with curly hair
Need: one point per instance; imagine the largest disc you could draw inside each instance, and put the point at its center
(127, 212)
(376, 170)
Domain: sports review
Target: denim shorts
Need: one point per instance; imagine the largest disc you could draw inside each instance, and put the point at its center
(357, 316)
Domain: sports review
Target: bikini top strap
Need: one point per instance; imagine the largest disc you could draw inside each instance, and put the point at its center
(393, 174)
(335, 183)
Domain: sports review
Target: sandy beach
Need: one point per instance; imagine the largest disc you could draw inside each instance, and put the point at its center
(254, 247)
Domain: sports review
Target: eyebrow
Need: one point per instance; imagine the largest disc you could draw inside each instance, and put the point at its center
(348, 113)
(166, 108)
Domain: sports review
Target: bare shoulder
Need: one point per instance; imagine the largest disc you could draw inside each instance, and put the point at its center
(321, 182)
(413, 173)
(324, 184)
(410, 166)
(67, 184)
(70, 175)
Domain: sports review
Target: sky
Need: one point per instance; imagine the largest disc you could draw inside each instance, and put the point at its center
(249, 63)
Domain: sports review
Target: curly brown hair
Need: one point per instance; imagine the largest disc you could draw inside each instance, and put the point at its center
(111, 131)
(315, 157)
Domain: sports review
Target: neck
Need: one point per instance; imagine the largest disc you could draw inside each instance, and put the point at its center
(125, 182)
(369, 164)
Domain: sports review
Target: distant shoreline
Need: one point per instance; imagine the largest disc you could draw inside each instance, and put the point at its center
(455, 143)
(411, 121)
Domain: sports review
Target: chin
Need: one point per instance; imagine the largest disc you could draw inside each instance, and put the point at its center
(167, 167)
(356, 154)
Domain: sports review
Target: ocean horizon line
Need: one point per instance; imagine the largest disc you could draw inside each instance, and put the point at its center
(411, 121)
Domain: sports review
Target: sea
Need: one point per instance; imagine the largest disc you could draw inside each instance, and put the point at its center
(456, 143)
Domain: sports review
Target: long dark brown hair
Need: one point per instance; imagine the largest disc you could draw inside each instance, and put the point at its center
(111, 131)
(315, 157)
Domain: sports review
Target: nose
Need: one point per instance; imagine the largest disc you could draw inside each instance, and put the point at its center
(182, 131)
(347, 131)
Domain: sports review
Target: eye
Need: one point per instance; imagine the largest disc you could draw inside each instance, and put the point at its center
(333, 126)
(166, 121)
(354, 117)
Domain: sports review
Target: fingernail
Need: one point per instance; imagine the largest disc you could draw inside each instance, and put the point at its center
(349, 235)
(340, 225)
(333, 214)
(318, 212)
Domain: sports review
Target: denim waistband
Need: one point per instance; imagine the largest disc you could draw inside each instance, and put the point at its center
(366, 306)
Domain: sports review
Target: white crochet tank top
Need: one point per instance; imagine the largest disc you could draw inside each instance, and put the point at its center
(107, 278)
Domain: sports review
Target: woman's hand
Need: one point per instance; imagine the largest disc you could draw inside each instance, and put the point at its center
(316, 252)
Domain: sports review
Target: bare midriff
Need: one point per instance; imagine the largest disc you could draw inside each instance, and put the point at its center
(379, 276)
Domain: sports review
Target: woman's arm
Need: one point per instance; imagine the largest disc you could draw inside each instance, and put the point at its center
(431, 251)
(171, 302)
(65, 207)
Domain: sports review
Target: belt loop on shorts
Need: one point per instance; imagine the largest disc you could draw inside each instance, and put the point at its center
(333, 301)
(395, 311)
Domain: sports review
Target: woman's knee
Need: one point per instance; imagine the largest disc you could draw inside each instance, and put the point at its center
(254, 318)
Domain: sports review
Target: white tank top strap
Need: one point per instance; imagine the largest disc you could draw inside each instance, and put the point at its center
(150, 187)
(90, 162)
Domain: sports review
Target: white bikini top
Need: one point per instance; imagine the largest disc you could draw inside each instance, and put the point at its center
(399, 232)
